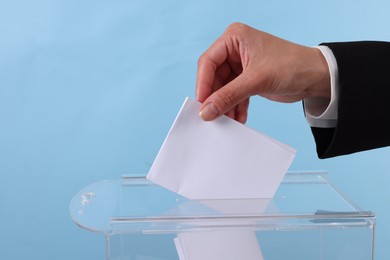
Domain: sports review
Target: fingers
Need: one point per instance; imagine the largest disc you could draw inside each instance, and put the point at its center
(242, 111)
(232, 99)
(208, 64)
(218, 85)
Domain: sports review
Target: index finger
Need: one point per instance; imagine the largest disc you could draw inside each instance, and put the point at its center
(208, 64)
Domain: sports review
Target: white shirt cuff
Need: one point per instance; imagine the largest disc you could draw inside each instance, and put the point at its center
(322, 112)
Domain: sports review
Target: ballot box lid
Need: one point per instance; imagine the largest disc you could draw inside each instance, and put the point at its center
(132, 204)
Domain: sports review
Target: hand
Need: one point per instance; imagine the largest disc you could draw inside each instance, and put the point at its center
(245, 62)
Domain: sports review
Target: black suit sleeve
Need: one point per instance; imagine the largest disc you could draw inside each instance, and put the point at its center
(364, 100)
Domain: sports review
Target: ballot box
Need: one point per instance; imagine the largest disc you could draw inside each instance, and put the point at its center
(308, 218)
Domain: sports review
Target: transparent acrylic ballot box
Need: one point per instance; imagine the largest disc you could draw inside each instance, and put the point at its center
(308, 218)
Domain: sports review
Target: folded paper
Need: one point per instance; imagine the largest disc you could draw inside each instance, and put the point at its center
(221, 159)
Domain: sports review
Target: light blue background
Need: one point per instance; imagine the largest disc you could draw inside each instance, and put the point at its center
(89, 89)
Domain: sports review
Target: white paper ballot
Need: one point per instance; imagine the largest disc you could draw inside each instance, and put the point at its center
(225, 244)
(221, 159)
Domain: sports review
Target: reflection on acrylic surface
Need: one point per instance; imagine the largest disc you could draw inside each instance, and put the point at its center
(225, 244)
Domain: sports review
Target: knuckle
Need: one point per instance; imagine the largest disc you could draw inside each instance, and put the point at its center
(201, 59)
(237, 27)
(206, 61)
(226, 98)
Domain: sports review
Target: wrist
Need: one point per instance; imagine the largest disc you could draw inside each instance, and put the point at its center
(322, 112)
(321, 84)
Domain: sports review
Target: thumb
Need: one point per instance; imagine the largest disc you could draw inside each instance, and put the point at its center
(225, 99)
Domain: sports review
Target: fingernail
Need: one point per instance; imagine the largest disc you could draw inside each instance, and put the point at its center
(209, 112)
